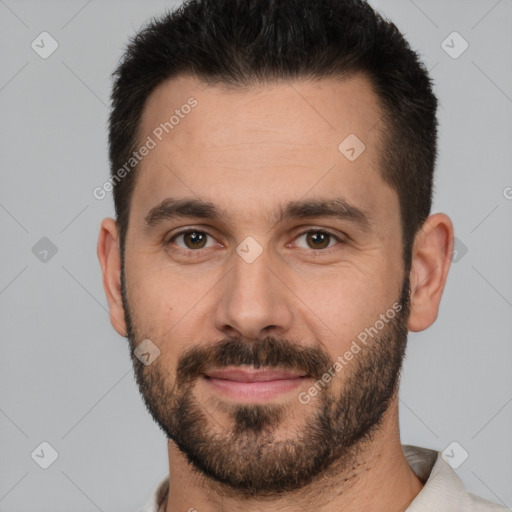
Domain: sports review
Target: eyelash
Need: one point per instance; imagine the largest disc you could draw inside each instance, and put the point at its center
(188, 252)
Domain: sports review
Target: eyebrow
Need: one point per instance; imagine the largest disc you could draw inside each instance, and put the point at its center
(339, 208)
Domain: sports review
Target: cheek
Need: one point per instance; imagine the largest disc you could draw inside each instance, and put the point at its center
(348, 300)
(153, 302)
(168, 304)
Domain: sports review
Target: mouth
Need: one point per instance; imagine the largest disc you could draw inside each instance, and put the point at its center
(253, 385)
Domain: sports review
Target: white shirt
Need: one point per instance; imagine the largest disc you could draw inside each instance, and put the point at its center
(443, 490)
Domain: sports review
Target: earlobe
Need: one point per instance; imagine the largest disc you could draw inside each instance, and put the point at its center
(110, 261)
(431, 259)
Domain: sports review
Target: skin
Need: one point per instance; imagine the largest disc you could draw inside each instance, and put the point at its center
(249, 151)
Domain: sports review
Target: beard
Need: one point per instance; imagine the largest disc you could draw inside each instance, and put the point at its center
(248, 455)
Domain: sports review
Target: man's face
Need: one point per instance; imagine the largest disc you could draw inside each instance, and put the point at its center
(249, 290)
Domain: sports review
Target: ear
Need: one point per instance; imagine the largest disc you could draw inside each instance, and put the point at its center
(110, 260)
(431, 259)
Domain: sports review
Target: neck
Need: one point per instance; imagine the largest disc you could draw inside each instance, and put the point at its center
(376, 479)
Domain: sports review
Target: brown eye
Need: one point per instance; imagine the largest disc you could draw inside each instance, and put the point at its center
(196, 239)
(317, 239)
(192, 239)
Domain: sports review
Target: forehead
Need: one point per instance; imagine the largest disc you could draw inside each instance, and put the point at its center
(249, 147)
(288, 112)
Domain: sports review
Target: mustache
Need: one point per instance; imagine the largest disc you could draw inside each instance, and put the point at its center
(265, 353)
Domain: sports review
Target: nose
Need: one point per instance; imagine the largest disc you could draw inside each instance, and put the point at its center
(254, 300)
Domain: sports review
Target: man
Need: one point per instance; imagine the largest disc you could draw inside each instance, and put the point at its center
(272, 166)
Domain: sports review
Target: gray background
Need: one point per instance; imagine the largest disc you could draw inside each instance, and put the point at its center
(65, 375)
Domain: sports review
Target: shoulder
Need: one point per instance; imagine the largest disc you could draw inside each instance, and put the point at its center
(479, 504)
(443, 490)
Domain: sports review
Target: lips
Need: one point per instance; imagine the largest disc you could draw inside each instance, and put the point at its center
(253, 375)
(251, 385)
